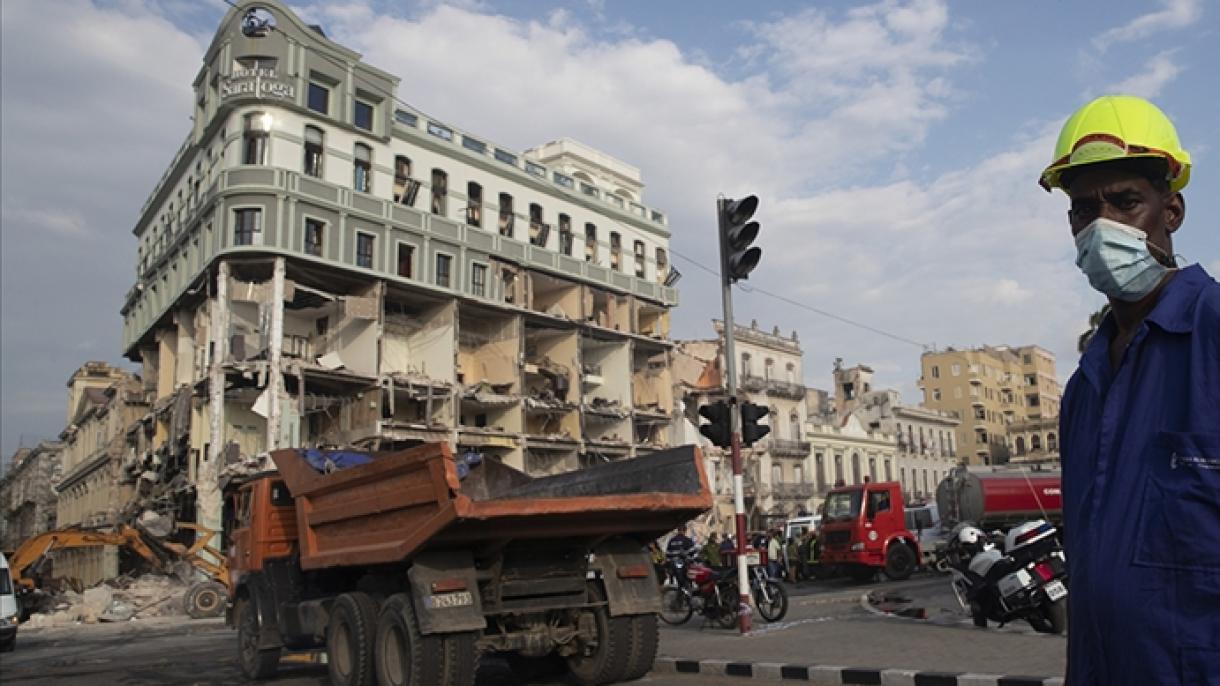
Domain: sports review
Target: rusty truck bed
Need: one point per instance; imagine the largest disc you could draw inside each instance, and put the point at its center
(402, 503)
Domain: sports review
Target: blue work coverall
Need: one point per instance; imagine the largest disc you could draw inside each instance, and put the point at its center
(1141, 497)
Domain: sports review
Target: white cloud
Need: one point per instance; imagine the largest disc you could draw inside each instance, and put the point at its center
(1159, 72)
(1175, 14)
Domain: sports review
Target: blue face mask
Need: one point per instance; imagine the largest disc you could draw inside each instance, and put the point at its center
(1116, 259)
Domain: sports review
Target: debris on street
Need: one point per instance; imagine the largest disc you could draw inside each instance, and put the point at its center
(116, 600)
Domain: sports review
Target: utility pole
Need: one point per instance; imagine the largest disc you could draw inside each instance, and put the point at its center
(737, 259)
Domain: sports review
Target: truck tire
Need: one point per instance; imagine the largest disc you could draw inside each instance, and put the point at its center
(602, 660)
(645, 637)
(405, 657)
(461, 658)
(899, 561)
(350, 637)
(205, 599)
(255, 663)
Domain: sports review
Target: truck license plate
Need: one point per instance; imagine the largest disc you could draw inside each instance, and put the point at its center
(1056, 590)
(455, 599)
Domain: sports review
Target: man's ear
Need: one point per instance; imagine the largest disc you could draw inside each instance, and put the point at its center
(1175, 212)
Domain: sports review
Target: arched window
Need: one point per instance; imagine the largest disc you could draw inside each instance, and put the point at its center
(791, 368)
(872, 468)
(256, 137)
(616, 251)
(1020, 445)
(819, 471)
(314, 151)
(855, 468)
(405, 188)
(777, 474)
(1035, 443)
(889, 474)
(565, 234)
(362, 170)
(794, 425)
(591, 243)
(1052, 444)
(539, 231)
(745, 364)
(506, 215)
(474, 204)
(768, 369)
(838, 469)
(440, 192)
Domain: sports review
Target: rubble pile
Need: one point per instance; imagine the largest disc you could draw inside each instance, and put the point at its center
(115, 600)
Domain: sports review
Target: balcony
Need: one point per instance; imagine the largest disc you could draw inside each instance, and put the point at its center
(788, 448)
(776, 387)
(798, 491)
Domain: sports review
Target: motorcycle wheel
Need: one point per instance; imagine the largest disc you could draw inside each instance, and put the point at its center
(675, 606)
(774, 606)
(726, 613)
(977, 614)
(1051, 619)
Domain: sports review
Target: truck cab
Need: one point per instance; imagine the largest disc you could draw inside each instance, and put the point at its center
(864, 530)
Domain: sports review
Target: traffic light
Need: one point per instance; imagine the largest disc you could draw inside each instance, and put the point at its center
(751, 430)
(737, 232)
(720, 431)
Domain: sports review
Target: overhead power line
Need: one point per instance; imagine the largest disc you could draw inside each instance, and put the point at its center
(810, 308)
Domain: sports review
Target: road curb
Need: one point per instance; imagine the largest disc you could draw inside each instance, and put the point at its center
(834, 675)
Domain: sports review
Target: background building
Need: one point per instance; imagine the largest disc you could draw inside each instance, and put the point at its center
(990, 388)
(324, 265)
(27, 498)
(92, 492)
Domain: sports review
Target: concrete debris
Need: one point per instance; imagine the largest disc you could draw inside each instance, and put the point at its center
(244, 466)
(156, 524)
(331, 360)
(115, 600)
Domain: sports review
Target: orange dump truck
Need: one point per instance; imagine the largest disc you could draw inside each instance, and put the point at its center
(408, 566)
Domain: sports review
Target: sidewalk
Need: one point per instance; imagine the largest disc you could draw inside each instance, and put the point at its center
(872, 643)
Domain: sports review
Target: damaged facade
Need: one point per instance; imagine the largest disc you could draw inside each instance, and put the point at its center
(322, 266)
(27, 496)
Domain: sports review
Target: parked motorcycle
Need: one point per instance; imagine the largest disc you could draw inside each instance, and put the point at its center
(714, 593)
(1025, 580)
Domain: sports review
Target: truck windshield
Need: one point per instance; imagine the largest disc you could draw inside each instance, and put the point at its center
(844, 505)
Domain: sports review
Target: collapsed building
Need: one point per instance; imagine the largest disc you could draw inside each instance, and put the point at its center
(324, 265)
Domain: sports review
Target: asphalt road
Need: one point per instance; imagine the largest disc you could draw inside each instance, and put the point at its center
(825, 625)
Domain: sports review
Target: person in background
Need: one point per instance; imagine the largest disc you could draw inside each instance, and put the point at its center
(711, 551)
(728, 551)
(792, 559)
(658, 560)
(774, 556)
(680, 543)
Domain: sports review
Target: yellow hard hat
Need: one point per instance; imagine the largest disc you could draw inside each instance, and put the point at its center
(1115, 127)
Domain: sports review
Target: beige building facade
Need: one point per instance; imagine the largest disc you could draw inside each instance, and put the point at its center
(989, 389)
(92, 492)
(27, 497)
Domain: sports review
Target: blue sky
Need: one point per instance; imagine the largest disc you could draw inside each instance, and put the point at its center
(895, 147)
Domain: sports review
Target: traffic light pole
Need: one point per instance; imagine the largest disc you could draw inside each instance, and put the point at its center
(730, 357)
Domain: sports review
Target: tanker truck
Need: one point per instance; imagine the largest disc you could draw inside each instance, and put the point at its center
(999, 497)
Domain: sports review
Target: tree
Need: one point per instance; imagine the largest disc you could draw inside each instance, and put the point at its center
(1095, 320)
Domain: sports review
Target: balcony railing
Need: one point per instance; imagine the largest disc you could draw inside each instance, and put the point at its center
(793, 490)
(784, 446)
(783, 389)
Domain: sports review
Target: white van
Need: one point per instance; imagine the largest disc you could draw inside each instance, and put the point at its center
(797, 526)
(9, 613)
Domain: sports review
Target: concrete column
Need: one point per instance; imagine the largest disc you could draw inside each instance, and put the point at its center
(209, 502)
(275, 377)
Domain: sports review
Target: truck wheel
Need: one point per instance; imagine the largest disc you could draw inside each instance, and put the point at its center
(404, 655)
(461, 658)
(899, 561)
(255, 663)
(643, 651)
(205, 599)
(601, 659)
(349, 640)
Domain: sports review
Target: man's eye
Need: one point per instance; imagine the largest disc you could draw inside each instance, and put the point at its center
(1127, 203)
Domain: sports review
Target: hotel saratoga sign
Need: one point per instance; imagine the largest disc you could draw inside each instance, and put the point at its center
(259, 82)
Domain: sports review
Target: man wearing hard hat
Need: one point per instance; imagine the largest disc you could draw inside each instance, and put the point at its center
(1140, 419)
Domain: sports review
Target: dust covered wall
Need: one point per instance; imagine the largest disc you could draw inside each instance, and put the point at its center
(244, 427)
(653, 385)
(615, 361)
(356, 343)
(420, 344)
(491, 351)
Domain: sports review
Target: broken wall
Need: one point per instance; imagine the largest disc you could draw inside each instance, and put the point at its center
(553, 296)
(607, 309)
(651, 320)
(652, 383)
(489, 350)
(420, 343)
(609, 362)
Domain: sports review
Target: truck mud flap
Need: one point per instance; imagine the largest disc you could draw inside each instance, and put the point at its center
(627, 574)
(261, 593)
(445, 589)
